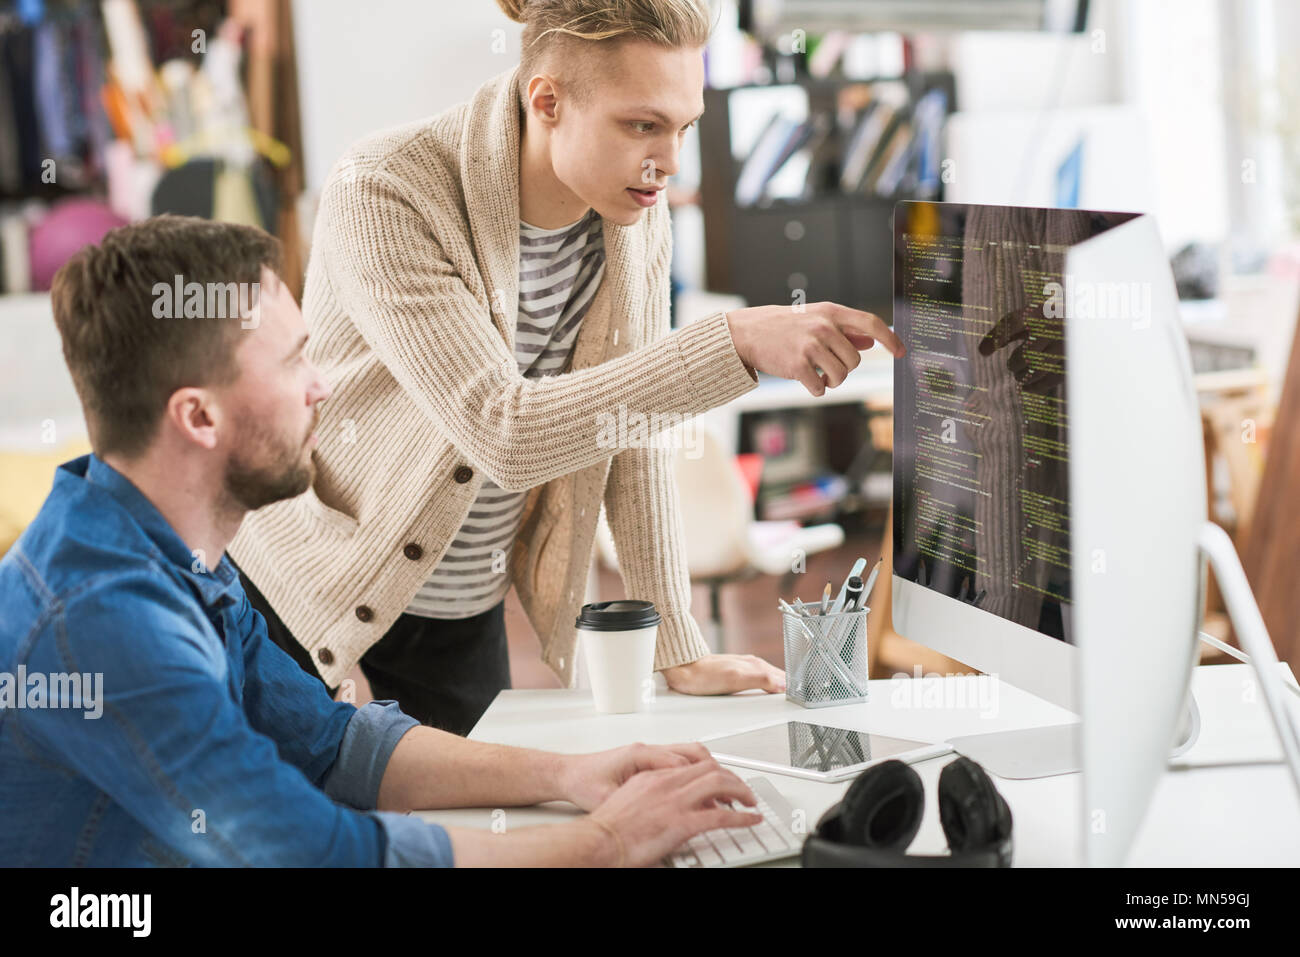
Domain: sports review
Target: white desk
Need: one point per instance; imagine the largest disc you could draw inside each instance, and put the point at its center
(1204, 816)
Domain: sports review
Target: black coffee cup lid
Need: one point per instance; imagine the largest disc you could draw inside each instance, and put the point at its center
(625, 614)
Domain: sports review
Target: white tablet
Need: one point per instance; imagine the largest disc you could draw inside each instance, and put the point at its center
(815, 751)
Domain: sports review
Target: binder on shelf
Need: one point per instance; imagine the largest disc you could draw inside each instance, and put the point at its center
(770, 150)
(864, 151)
(927, 118)
(887, 177)
(795, 175)
(881, 153)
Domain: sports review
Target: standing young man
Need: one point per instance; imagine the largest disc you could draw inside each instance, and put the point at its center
(484, 288)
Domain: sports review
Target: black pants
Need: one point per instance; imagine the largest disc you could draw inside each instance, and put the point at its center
(442, 672)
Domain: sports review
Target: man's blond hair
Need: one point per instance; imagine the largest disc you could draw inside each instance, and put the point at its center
(558, 32)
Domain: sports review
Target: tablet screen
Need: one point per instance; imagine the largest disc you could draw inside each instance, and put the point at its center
(811, 747)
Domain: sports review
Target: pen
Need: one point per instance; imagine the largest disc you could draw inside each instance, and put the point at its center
(871, 579)
(855, 593)
(812, 640)
(860, 564)
(799, 607)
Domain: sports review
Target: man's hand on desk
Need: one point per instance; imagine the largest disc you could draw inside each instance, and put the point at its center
(588, 779)
(816, 344)
(725, 674)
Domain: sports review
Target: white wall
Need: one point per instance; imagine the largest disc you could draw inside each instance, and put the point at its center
(1175, 77)
(366, 66)
(1143, 81)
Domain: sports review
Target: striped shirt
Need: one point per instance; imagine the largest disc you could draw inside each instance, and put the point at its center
(559, 272)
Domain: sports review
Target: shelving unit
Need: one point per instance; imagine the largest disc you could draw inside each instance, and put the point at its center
(837, 246)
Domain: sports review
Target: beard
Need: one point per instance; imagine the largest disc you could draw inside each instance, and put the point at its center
(266, 468)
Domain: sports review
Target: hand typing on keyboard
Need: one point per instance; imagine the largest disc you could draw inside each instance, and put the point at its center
(655, 812)
(769, 840)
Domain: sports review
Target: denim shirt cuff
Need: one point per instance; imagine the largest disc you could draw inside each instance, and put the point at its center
(412, 842)
(368, 742)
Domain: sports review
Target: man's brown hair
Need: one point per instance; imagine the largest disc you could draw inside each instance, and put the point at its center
(560, 31)
(130, 341)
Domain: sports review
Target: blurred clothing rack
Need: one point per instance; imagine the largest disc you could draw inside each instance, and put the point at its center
(90, 91)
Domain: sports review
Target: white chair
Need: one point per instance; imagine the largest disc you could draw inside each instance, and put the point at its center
(722, 541)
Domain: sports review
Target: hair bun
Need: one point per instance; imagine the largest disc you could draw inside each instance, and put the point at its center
(514, 9)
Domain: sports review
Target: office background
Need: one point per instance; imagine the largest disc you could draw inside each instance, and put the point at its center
(1183, 108)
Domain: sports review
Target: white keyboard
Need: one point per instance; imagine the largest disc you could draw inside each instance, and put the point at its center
(740, 846)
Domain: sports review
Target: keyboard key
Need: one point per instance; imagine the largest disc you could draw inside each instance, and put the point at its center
(772, 839)
(699, 841)
(747, 842)
(709, 857)
(728, 848)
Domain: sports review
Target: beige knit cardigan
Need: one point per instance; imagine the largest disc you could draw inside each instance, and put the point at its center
(411, 299)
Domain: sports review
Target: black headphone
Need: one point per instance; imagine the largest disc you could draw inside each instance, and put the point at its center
(881, 813)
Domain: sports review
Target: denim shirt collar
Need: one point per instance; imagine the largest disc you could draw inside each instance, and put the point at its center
(214, 586)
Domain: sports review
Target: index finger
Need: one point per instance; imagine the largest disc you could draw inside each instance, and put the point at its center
(870, 325)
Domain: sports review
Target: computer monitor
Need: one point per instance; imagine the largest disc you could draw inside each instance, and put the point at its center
(1049, 484)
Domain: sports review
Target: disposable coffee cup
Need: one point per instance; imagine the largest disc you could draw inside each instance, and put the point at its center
(618, 644)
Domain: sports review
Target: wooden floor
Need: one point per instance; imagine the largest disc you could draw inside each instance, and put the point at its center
(751, 619)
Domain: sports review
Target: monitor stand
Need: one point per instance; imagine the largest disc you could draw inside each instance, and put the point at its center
(1049, 750)
(1042, 752)
(1026, 753)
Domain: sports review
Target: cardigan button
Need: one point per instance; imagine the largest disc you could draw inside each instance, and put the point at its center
(326, 656)
(364, 612)
(463, 474)
(413, 551)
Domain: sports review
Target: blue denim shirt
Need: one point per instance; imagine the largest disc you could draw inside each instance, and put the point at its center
(211, 746)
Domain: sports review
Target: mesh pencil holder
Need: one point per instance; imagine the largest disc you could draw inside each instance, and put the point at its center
(825, 658)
